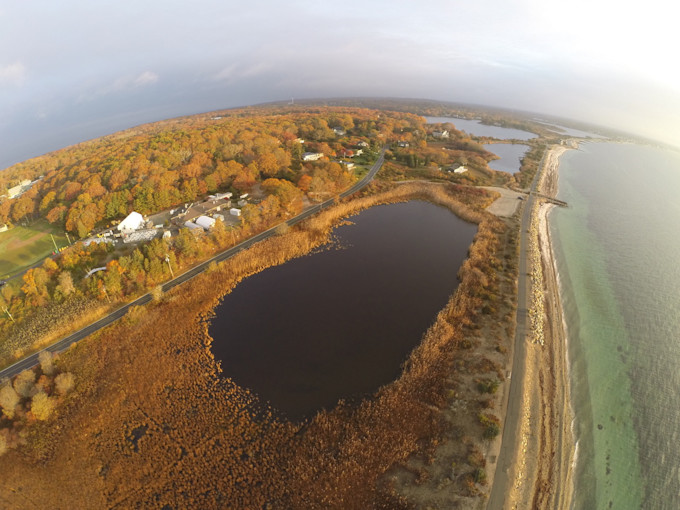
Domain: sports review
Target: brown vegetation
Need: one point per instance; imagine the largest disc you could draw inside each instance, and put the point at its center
(151, 424)
(33, 396)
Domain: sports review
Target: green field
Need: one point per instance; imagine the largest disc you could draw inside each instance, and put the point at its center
(21, 247)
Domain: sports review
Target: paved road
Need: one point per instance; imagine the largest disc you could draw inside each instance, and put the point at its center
(65, 343)
(510, 438)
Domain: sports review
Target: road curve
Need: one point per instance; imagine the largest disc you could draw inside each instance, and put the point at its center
(510, 438)
(66, 342)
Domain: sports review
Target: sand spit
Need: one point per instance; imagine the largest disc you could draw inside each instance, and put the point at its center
(542, 472)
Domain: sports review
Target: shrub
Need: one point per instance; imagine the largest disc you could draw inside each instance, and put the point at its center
(479, 476)
(488, 386)
(157, 293)
(282, 229)
(491, 431)
(491, 425)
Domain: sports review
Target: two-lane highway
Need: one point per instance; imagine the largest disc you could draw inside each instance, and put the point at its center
(65, 343)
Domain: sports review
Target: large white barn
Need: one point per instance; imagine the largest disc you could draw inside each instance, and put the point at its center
(134, 221)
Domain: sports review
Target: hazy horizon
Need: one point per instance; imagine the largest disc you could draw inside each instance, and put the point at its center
(77, 70)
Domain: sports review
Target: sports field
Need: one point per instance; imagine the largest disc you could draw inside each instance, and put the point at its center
(21, 247)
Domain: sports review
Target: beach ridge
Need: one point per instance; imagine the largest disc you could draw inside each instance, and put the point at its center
(542, 474)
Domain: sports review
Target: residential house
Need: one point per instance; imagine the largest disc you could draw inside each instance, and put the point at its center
(312, 156)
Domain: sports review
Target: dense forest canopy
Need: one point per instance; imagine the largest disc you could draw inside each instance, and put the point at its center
(157, 166)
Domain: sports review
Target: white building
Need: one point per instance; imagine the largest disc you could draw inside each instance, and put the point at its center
(205, 222)
(440, 134)
(192, 226)
(460, 170)
(235, 212)
(4, 228)
(312, 156)
(134, 221)
(20, 188)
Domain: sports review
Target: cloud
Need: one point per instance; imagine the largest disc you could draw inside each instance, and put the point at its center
(234, 72)
(146, 78)
(13, 74)
(122, 84)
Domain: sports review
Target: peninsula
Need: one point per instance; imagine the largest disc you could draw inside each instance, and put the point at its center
(147, 395)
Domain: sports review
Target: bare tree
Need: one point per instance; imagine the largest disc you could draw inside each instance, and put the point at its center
(46, 362)
(66, 283)
(24, 384)
(64, 382)
(9, 399)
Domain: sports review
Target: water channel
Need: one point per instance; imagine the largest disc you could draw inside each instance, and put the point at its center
(339, 323)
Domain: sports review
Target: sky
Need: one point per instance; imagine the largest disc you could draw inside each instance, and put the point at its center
(78, 69)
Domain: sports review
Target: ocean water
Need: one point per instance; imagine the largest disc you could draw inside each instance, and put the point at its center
(617, 251)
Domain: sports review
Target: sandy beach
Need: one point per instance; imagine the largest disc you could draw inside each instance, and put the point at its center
(541, 476)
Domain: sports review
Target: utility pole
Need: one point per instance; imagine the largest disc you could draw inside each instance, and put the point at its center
(56, 250)
(167, 259)
(67, 237)
(7, 312)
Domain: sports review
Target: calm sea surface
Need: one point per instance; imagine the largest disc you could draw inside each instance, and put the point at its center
(617, 251)
(339, 323)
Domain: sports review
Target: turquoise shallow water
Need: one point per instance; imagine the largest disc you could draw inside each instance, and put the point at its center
(617, 249)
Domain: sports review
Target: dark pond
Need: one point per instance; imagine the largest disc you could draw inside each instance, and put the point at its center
(340, 322)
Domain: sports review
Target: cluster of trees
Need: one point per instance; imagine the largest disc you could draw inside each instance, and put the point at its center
(32, 396)
(159, 166)
(155, 167)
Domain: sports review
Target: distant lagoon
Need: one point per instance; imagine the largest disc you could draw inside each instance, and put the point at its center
(474, 127)
(511, 155)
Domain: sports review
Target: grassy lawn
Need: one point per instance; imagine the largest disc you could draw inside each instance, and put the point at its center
(22, 247)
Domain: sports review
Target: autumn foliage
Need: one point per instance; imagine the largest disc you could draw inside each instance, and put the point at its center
(152, 425)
